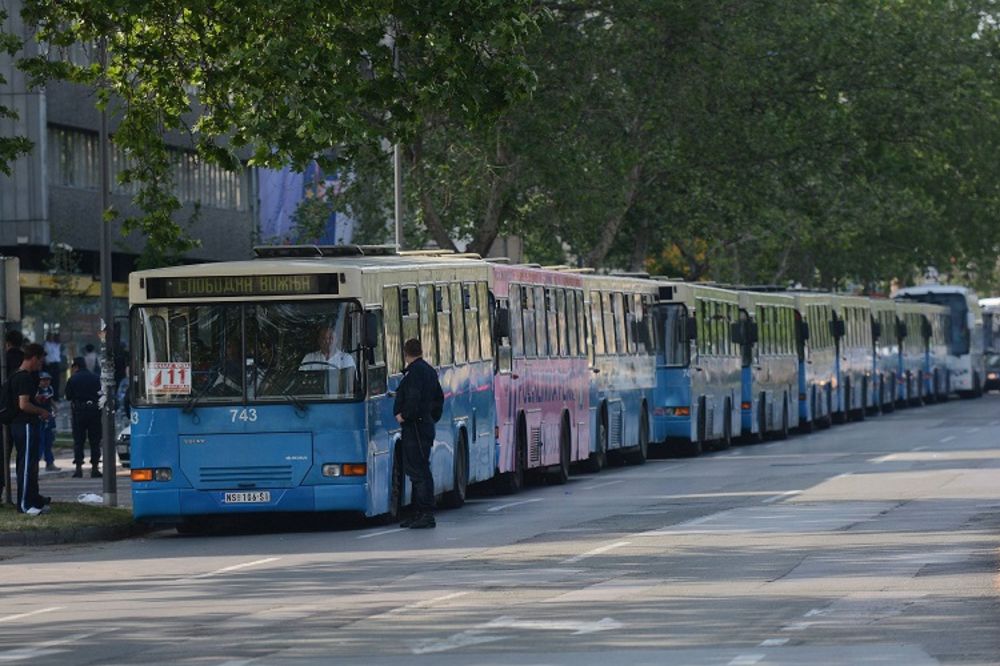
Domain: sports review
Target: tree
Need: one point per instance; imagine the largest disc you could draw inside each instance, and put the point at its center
(11, 147)
(280, 82)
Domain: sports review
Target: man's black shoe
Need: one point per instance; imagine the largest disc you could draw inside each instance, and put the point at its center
(407, 521)
(78, 474)
(95, 473)
(423, 522)
(45, 500)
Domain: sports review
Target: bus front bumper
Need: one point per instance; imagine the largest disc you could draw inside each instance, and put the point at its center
(175, 503)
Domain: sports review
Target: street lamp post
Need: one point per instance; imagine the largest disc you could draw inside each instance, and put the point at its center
(107, 315)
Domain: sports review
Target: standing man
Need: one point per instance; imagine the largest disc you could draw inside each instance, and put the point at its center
(83, 392)
(53, 361)
(25, 430)
(418, 405)
(13, 341)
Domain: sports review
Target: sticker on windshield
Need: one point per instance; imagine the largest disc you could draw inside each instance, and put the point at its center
(168, 378)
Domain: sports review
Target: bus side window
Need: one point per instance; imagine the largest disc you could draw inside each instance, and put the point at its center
(458, 323)
(528, 316)
(472, 314)
(393, 344)
(442, 304)
(485, 322)
(599, 340)
(516, 322)
(428, 324)
(541, 323)
(572, 344)
(410, 313)
(504, 348)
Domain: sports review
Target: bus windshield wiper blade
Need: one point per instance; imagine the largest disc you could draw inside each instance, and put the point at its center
(193, 400)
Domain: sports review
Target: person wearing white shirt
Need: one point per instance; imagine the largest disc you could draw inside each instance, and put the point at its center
(53, 361)
(333, 359)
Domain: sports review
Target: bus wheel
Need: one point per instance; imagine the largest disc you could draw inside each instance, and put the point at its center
(599, 458)
(761, 419)
(860, 414)
(638, 455)
(808, 425)
(727, 426)
(396, 486)
(511, 482)
(455, 497)
(561, 474)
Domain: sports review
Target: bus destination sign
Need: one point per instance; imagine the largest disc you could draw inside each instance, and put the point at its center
(235, 286)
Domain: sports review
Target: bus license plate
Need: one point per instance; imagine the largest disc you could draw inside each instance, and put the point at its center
(260, 497)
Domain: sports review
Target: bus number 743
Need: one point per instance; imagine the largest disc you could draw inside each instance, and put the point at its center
(245, 415)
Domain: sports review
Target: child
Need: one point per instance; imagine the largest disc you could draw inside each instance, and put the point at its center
(44, 400)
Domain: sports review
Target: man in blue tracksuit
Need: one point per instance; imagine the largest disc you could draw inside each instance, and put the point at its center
(25, 429)
(418, 405)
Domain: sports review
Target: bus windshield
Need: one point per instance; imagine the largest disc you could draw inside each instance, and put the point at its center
(959, 342)
(224, 353)
(671, 338)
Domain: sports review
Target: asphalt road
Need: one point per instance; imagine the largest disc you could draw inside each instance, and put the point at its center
(871, 543)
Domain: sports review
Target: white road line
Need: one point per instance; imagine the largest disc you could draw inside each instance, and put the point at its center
(798, 626)
(947, 439)
(595, 551)
(972, 430)
(919, 448)
(375, 534)
(236, 662)
(790, 493)
(45, 648)
(37, 612)
(773, 642)
(417, 605)
(746, 660)
(494, 509)
(236, 567)
(814, 611)
(602, 485)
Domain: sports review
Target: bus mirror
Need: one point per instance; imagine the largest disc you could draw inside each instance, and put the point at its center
(877, 330)
(754, 334)
(925, 329)
(901, 330)
(371, 329)
(692, 329)
(736, 332)
(804, 330)
(837, 329)
(370, 355)
(501, 324)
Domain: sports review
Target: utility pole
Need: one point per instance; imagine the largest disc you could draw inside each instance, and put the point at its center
(397, 161)
(107, 315)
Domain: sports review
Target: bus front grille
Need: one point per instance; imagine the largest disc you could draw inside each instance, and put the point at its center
(246, 476)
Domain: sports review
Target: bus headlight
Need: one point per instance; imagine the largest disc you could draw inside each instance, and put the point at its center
(345, 469)
(330, 469)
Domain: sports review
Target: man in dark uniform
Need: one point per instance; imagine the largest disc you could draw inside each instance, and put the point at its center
(83, 391)
(26, 431)
(13, 341)
(418, 405)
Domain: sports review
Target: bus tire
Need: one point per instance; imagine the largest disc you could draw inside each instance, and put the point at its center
(782, 432)
(638, 455)
(455, 498)
(512, 482)
(808, 425)
(561, 473)
(727, 426)
(761, 419)
(860, 414)
(890, 404)
(599, 458)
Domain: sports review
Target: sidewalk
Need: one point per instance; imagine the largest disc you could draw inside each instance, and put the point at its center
(62, 487)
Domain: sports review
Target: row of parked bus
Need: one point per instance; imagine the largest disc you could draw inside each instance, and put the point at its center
(267, 385)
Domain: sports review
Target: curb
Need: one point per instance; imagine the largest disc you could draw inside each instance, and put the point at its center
(51, 537)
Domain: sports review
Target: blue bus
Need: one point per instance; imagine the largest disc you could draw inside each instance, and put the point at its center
(267, 385)
(622, 360)
(698, 373)
(817, 351)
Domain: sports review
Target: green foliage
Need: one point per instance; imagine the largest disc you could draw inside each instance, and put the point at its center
(280, 82)
(11, 147)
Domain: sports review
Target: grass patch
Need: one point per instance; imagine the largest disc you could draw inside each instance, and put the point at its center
(64, 515)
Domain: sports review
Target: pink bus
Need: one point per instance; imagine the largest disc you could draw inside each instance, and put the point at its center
(542, 382)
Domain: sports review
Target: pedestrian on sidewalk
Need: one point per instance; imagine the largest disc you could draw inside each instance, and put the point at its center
(53, 361)
(13, 341)
(83, 393)
(26, 432)
(418, 405)
(48, 426)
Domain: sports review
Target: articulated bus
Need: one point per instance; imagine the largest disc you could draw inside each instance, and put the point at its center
(770, 387)
(542, 382)
(914, 330)
(817, 359)
(991, 342)
(699, 379)
(965, 347)
(938, 375)
(267, 385)
(622, 357)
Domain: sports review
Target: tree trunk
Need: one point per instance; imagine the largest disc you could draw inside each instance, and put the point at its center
(430, 214)
(610, 232)
(501, 177)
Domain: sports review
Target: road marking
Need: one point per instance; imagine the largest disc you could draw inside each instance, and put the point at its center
(45, 648)
(595, 551)
(578, 627)
(972, 430)
(37, 612)
(814, 611)
(773, 642)
(798, 626)
(236, 567)
(464, 639)
(919, 448)
(746, 660)
(602, 485)
(375, 534)
(947, 439)
(507, 506)
(771, 500)
(417, 605)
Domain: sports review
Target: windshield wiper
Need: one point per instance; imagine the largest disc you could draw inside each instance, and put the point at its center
(193, 400)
